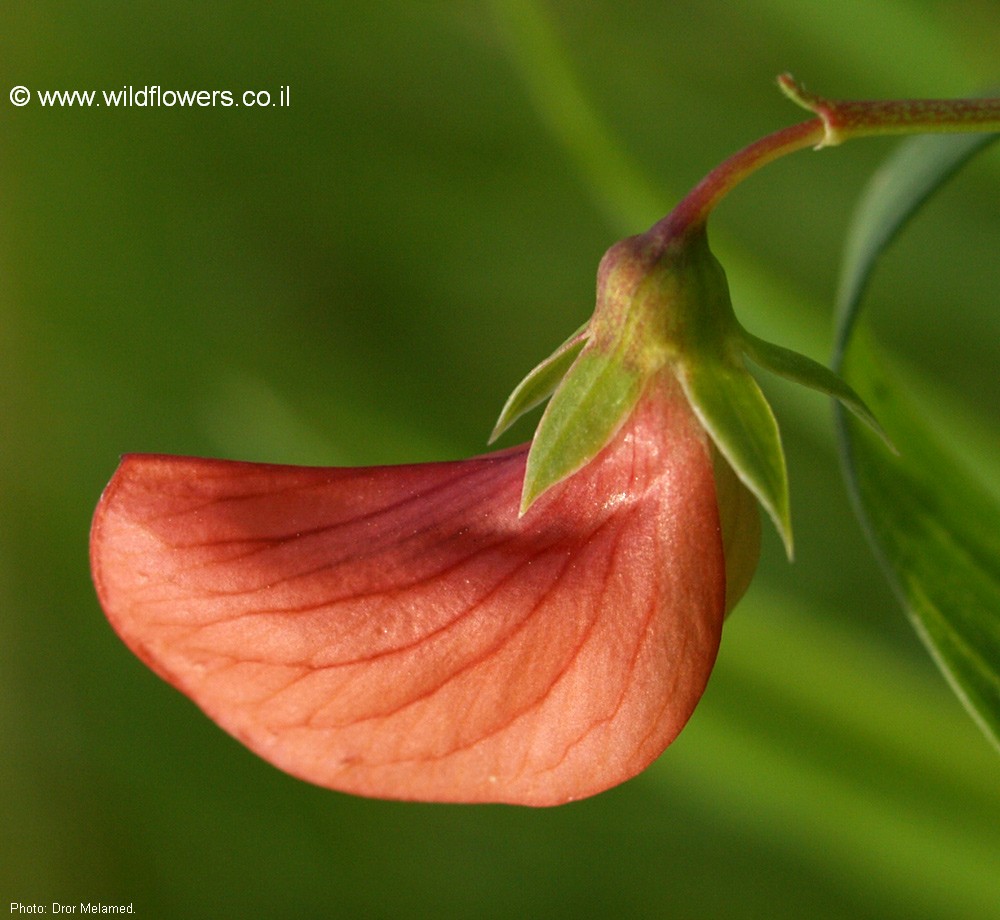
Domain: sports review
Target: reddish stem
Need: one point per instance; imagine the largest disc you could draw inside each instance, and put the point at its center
(692, 212)
(836, 121)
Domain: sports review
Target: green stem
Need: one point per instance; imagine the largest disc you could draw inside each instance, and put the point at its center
(836, 122)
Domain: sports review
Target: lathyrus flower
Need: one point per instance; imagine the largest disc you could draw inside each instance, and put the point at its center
(403, 632)
(530, 626)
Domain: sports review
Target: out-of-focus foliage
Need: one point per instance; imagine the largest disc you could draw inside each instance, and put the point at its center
(362, 277)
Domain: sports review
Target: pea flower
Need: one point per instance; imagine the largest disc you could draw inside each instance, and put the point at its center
(498, 629)
(531, 626)
(403, 632)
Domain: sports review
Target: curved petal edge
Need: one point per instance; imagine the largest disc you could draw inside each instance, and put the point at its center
(400, 632)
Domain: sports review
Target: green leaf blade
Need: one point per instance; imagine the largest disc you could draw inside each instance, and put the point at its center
(907, 179)
(934, 527)
(936, 532)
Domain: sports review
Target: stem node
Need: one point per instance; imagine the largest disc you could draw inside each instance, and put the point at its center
(826, 110)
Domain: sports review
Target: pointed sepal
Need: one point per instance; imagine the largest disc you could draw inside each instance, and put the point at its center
(809, 373)
(730, 404)
(591, 403)
(540, 383)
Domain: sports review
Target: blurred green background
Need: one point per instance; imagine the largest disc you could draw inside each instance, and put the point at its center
(362, 277)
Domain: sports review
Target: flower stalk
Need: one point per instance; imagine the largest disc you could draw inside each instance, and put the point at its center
(836, 121)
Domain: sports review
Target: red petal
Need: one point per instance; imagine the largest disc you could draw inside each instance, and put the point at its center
(399, 632)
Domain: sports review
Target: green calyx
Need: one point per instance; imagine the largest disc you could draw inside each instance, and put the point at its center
(663, 306)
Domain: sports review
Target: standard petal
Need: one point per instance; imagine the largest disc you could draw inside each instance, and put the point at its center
(400, 632)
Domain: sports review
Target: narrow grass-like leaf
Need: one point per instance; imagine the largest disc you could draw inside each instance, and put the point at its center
(907, 178)
(935, 530)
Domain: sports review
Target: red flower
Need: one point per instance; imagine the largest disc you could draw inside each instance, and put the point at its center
(401, 632)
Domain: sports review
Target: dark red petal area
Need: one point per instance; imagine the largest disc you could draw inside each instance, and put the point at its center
(399, 632)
